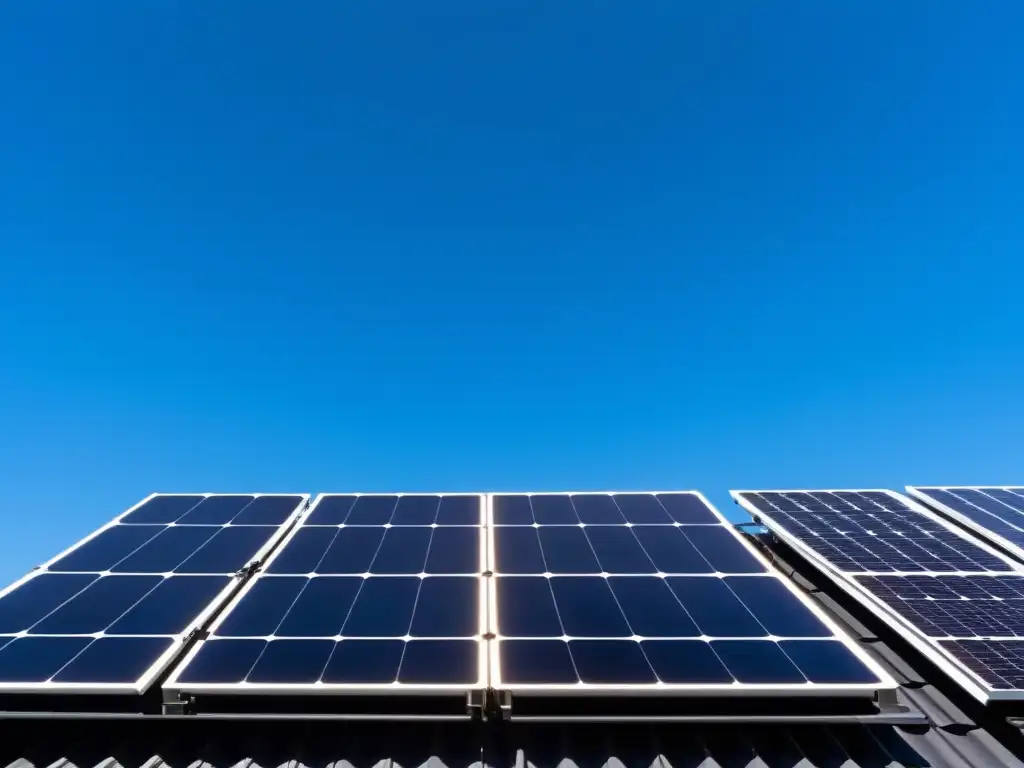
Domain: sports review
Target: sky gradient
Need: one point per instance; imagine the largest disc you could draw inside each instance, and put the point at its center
(396, 246)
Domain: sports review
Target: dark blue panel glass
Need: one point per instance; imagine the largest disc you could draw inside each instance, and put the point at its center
(321, 608)
(597, 509)
(513, 510)
(372, 510)
(97, 607)
(33, 600)
(687, 508)
(383, 608)
(263, 607)
(651, 608)
(162, 509)
(776, 608)
(37, 659)
(352, 550)
(229, 551)
(440, 662)
(588, 608)
(757, 661)
(364, 661)
(454, 550)
(827, 661)
(608, 662)
(714, 607)
(722, 549)
(566, 550)
(670, 550)
(526, 608)
(292, 661)
(618, 550)
(517, 550)
(114, 660)
(171, 607)
(554, 510)
(267, 510)
(331, 510)
(685, 662)
(222, 661)
(215, 510)
(641, 508)
(536, 662)
(167, 551)
(404, 550)
(106, 549)
(459, 510)
(416, 510)
(304, 551)
(447, 607)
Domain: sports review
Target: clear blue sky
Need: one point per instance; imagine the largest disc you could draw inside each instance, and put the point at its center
(504, 245)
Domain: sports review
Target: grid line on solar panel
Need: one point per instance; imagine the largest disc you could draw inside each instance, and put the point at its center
(872, 531)
(593, 602)
(369, 592)
(992, 512)
(85, 621)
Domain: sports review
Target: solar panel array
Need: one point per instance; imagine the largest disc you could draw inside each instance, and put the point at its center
(995, 513)
(421, 593)
(106, 615)
(641, 590)
(963, 596)
(368, 592)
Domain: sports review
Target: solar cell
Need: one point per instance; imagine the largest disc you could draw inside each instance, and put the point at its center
(994, 513)
(935, 584)
(597, 591)
(370, 592)
(109, 614)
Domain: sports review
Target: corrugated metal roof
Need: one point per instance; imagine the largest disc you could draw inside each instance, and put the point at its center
(961, 733)
(84, 744)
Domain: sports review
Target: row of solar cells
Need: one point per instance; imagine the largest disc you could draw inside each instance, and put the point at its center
(591, 589)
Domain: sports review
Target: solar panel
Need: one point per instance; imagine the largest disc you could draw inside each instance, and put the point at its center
(926, 578)
(994, 513)
(369, 593)
(108, 614)
(650, 593)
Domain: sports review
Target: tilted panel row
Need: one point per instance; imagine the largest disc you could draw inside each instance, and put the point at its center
(926, 577)
(109, 614)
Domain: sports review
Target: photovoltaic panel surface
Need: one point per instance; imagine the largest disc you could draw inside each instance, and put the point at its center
(369, 593)
(109, 614)
(994, 513)
(649, 592)
(924, 576)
